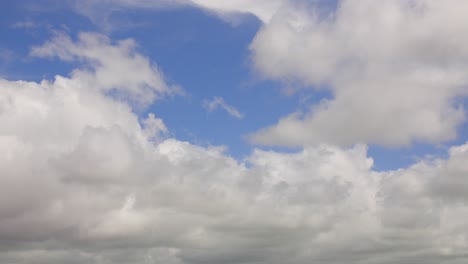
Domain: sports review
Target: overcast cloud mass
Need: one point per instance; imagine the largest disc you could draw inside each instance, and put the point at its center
(85, 178)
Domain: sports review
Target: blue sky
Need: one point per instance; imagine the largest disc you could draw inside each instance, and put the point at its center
(236, 131)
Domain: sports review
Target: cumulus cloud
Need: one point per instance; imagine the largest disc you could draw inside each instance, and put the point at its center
(395, 69)
(83, 181)
(218, 102)
(392, 67)
(100, 191)
(154, 128)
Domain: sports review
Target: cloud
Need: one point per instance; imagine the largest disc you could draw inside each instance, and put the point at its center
(396, 71)
(113, 68)
(392, 68)
(262, 9)
(218, 102)
(83, 181)
(154, 128)
(100, 12)
(24, 24)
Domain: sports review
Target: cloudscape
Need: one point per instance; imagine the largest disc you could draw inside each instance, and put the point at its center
(233, 131)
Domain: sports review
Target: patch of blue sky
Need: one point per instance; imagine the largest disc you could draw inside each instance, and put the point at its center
(26, 23)
(208, 57)
(386, 158)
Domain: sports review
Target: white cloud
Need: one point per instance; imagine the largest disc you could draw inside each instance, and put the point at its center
(218, 102)
(115, 68)
(263, 9)
(395, 69)
(154, 128)
(82, 181)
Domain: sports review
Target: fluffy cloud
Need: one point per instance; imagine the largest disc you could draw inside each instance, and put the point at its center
(392, 67)
(83, 181)
(395, 69)
(116, 69)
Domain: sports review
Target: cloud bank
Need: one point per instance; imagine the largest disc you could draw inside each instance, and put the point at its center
(83, 180)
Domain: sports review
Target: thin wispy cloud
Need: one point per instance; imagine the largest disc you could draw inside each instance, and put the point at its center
(219, 103)
(24, 24)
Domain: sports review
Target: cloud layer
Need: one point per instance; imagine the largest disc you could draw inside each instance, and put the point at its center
(83, 180)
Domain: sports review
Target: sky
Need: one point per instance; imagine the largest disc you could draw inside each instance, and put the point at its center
(240, 131)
